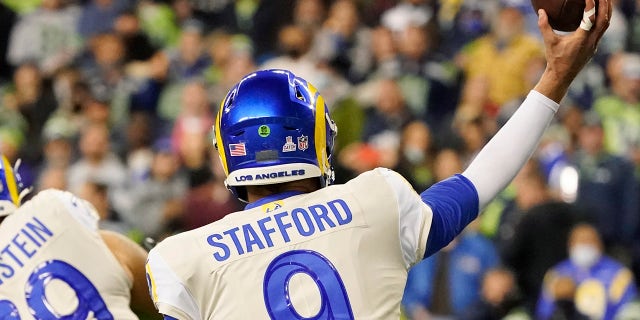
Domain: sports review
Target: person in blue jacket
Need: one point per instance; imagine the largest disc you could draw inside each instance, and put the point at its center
(458, 267)
(602, 285)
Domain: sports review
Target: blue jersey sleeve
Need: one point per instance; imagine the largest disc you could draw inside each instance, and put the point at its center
(454, 203)
(166, 317)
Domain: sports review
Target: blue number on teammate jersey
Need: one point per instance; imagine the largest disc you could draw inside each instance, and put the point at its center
(334, 300)
(89, 298)
(8, 310)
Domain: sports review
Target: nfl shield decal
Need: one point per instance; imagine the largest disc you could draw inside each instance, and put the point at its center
(289, 145)
(303, 142)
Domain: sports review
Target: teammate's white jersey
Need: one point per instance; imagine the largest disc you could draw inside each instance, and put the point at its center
(53, 263)
(341, 253)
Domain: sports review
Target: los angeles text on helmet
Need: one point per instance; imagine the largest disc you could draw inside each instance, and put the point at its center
(271, 175)
(295, 225)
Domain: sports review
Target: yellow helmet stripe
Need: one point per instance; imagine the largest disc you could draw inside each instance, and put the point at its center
(218, 136)
(11, 181)
(320, 139)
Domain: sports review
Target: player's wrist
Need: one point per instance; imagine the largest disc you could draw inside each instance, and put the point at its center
(553, 85)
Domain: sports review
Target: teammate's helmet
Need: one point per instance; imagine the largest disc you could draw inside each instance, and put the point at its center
(10, 188)
(274, 127)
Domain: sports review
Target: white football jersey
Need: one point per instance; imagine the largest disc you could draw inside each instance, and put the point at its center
(54, 264)
(341, 252)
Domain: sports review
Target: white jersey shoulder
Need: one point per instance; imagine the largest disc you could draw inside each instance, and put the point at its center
(372, 221)
(414, 215)
(81, 210)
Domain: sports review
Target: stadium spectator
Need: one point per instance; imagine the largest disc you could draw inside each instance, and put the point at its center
(97, 162)
(607, 188)
(406, 13)
(427, 78)
(416, 155)
(195, 115)
(500, 59)
(470, 130)
(46, 37)
(385, 120)
(461, 22)
(52, 177)
(385, 53)
(500, 298)
(602, 285)
(105, 74)
(208, 200)
(294, 45)
(97, 193)
(343, 42)
(35, 102)
(158, 21)
(157, 201)
(446, 284)
(532, 238)
(138, 46)
(232, 57)
(446, 163)
(563, 291)
(188, 60)
(615, 39)
(381, 131)
(58, 149)
(309, 13)
(620, 109)
(98, 16)
(259, 20)
(137, 152)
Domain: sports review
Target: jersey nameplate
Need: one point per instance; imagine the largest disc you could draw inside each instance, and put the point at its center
(283, 226)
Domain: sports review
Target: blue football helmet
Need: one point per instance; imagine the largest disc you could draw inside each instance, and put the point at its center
(10, 188)
(274, 127)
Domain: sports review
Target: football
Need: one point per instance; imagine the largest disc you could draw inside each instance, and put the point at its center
(564, 15)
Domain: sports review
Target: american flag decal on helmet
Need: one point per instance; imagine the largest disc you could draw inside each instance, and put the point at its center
(237, 150)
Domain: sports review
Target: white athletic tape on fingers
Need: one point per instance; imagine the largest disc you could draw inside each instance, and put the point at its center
(586, 23)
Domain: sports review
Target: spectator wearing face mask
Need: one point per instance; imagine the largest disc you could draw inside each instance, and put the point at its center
(603, 286)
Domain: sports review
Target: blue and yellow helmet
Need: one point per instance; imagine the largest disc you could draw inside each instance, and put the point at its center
(10, 188)
(274, 127)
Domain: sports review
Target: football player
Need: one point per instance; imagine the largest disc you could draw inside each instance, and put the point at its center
(304, 248)
(56, 264)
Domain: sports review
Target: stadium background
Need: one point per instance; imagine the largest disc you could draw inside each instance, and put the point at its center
(114, 101)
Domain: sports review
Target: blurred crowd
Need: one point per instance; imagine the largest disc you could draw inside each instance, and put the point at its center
(114, 101)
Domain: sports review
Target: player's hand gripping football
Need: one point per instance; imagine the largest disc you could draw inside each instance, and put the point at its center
(567, 54)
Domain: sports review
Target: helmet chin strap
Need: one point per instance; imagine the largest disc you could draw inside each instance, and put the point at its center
(24, 193)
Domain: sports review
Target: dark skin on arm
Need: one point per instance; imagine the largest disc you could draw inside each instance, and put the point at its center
(132, 258)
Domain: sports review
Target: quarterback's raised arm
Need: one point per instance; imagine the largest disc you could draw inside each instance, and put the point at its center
(455, 202)
(503, 156)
